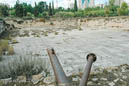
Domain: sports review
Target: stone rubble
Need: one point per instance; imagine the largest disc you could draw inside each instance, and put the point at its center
(99, 77)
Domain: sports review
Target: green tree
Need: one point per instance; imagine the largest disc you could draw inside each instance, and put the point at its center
(75, 5)
(111, 10)
(30, 8)
(107, 11)
(53, 10)
(123, 10)
(60, 9)
(36, 13)
(111, 2)
(124, 5)
(18, 9)
(42, 6)
(12, 12)
(4, 10)
(50, 10)
(24, 9)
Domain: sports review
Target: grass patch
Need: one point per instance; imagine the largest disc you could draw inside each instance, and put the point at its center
(1, 83)
(4, 47)
(1, 58)
(42, 20)
(51, 23)
(45, 34)
(10, 50)
(56, 33)
(1, 52)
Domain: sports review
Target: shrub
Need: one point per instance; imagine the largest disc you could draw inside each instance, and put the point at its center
(56, 33)
(4, 45)
(42, 20)
(123, 10)
(1, 83)
(22, 66)
(4, 10)
(65, 14)
(94, 13)
(10, 50)
(1, 58)
(29, 14)
(1, 52)
(107, 11)
(45, 34)
(79, 14)
(12, 12)
(51, 23)
(45, 14)
(40, 15)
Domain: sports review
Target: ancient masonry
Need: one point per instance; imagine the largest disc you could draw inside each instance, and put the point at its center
(5, 26)
(2, 26)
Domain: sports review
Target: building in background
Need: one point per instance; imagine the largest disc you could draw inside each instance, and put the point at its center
(71, 5)
(85, 3)
(91, 3)
(100, 5)
(82, 4)
(56, 3)
(118, 2)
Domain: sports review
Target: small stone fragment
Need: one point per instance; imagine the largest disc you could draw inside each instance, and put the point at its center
(90, 83)
(49, 80)
(95, 79)
(104, 79)
(111, 84)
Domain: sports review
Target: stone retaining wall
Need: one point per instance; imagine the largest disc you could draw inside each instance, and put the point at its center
(5, 26)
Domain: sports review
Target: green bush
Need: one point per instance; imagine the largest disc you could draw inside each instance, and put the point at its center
(4, 10)
(65, 14)
(1, 58)
(123, 10)
(79, 14)
(107, 11)
(4, 45)
(94, 13)
(40, 15)
(44, 15)
(29, 14)
(10, 50)
(12, 12)
(22, 66)
(1, 51)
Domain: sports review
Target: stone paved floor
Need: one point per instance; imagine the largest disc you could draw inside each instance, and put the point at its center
(110, 45)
